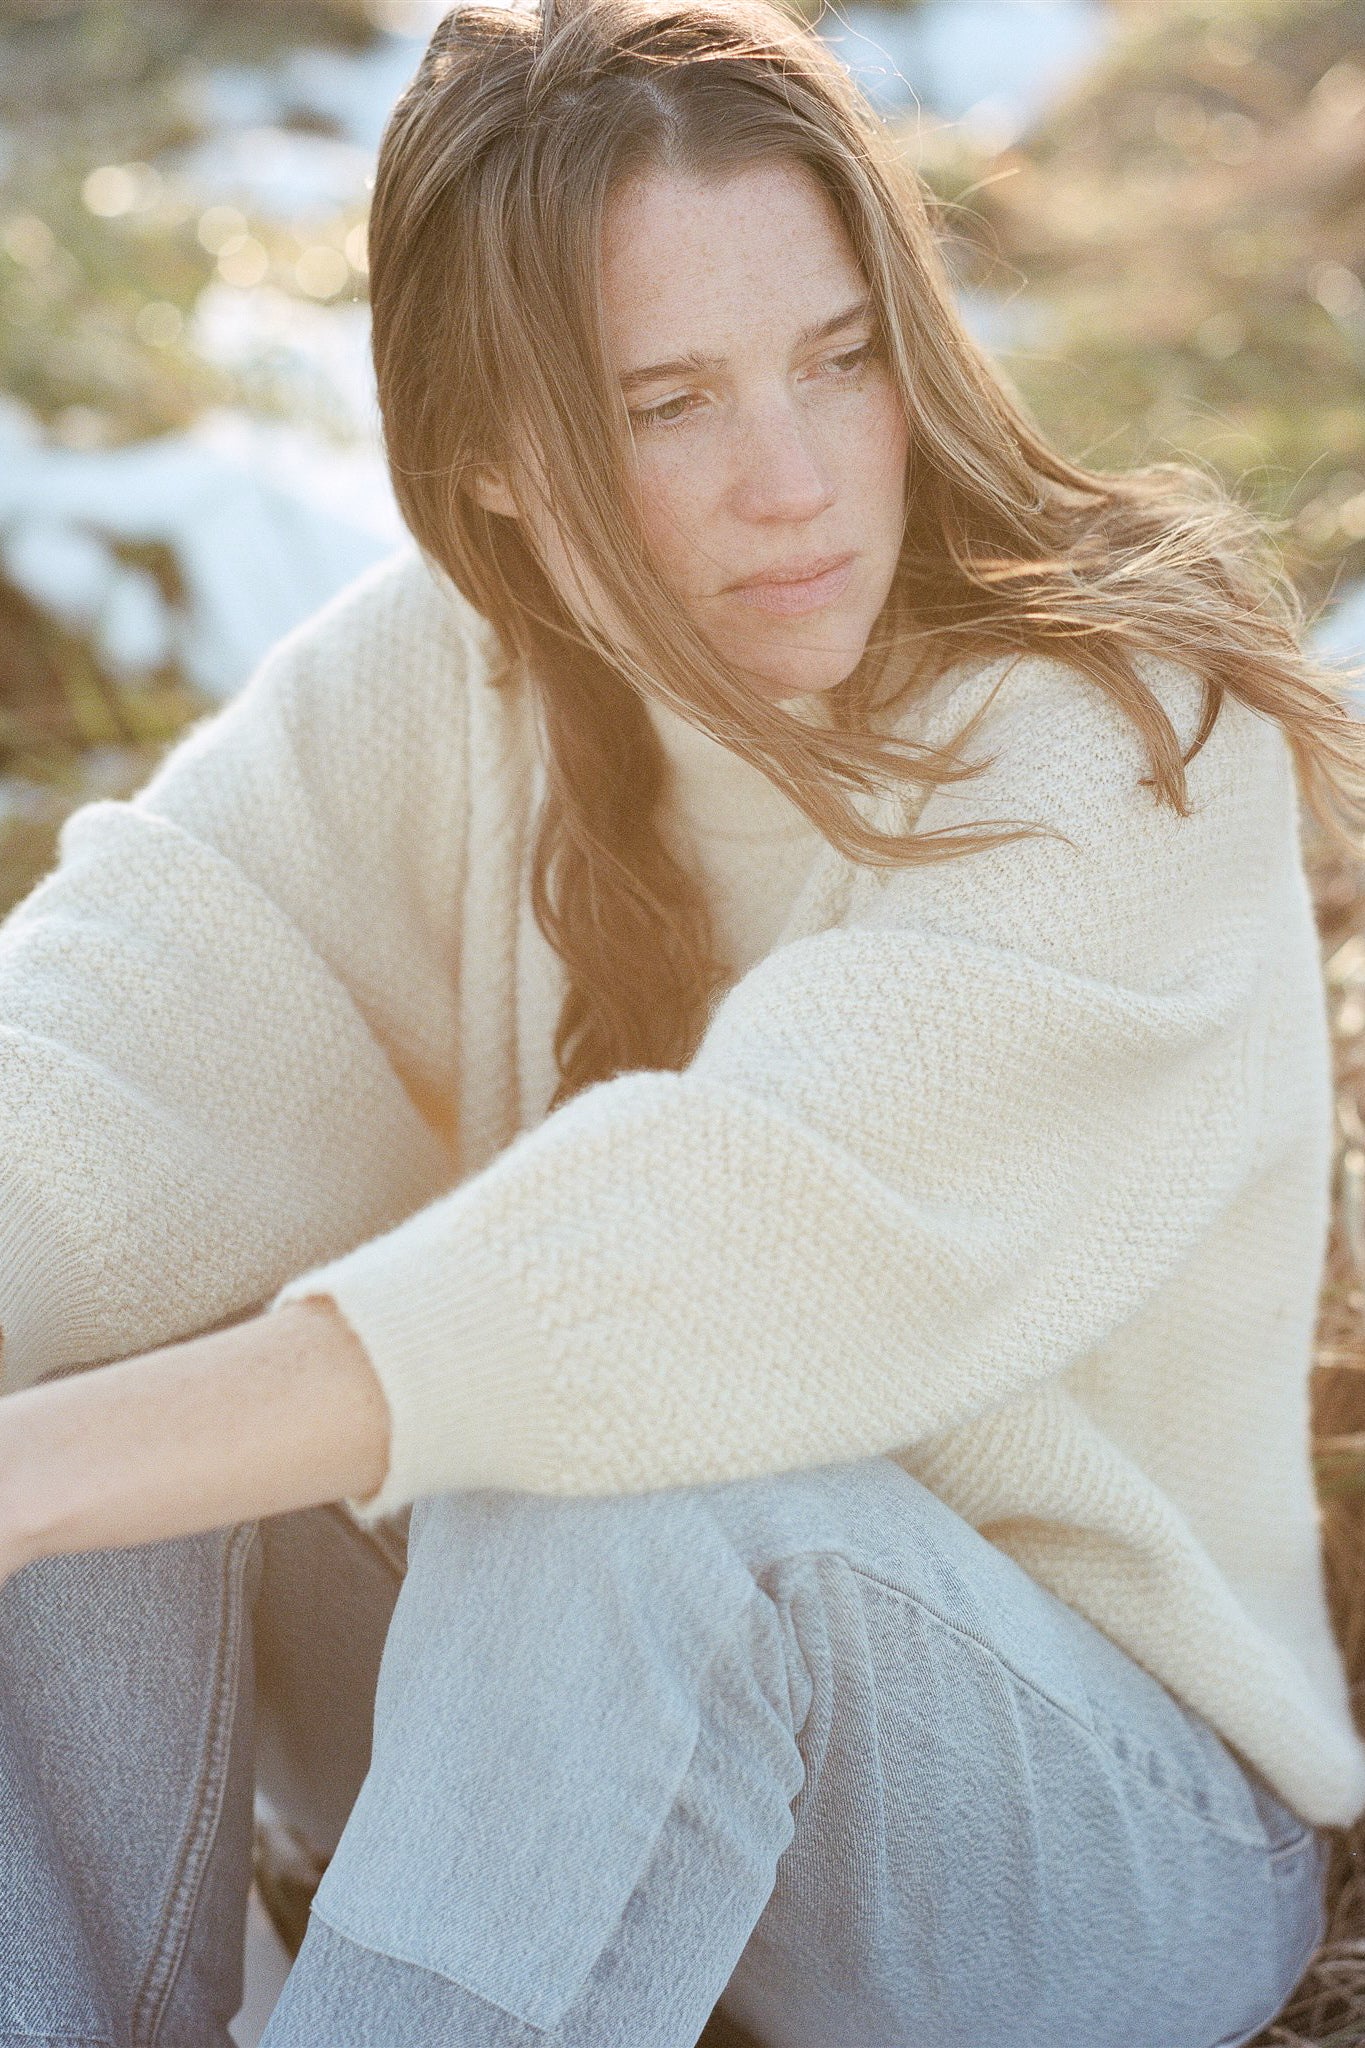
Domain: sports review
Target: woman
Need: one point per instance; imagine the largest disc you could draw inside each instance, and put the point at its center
(831, 1255)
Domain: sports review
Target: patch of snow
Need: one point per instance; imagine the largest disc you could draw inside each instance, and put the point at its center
(1003, 61)
(135, 633)
(351, 90)
(1000, 61)
(355, 91)
(277, 173)
(72, 574)
(232, 96)
(61, 566)
(315, 359)
(1340, 636)
(1002, 322)
(881, 50)
(265, 522)
(1019, 55)
(287, 521)
(19, 428)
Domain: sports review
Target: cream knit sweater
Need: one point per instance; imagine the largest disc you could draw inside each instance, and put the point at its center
(1014, 1167)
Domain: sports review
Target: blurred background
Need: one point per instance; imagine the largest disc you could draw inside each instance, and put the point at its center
(1157, 214)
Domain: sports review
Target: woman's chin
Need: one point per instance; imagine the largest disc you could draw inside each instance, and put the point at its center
(793, 672)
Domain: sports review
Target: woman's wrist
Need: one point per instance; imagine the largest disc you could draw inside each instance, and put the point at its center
(276, 1413)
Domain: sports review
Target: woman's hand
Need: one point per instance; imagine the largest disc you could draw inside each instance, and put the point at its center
(276, 1413)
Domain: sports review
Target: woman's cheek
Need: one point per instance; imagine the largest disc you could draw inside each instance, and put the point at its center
(673, 504)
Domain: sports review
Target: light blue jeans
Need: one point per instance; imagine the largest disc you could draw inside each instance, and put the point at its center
(808, 1747)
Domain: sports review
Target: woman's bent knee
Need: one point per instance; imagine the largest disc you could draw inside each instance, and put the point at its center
(125, 1687)
(553, 1670)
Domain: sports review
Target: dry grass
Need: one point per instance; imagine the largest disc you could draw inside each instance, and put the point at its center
(1328, 2008)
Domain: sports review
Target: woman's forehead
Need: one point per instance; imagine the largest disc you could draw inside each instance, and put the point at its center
(699, 266)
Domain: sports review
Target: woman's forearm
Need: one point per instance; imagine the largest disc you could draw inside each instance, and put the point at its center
(276, 1413)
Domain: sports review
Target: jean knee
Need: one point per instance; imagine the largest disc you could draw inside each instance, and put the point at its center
(656, 1563)
(553, 1671)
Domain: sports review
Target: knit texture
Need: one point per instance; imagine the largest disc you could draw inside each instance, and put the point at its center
(1015, 1168)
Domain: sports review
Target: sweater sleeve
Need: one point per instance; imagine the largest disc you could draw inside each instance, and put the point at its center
(921, 1161)
(217, 1032)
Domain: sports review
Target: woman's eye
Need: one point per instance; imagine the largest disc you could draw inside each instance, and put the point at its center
(850, 360)
(665, 414)
(671, 412)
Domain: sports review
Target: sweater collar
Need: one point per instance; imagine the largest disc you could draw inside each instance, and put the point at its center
(715, 791)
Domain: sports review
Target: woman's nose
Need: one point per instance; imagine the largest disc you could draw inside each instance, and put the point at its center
(778, 472)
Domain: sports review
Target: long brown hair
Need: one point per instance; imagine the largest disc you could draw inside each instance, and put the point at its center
(492, 182)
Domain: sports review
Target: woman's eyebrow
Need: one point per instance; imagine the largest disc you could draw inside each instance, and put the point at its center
(696, 364)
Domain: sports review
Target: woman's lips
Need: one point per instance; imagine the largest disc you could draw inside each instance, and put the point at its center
(789, 600)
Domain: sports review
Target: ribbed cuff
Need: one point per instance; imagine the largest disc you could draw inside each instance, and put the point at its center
(461, 1362)
(46, 1317)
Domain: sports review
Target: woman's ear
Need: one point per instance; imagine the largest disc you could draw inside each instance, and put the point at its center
(489, 489)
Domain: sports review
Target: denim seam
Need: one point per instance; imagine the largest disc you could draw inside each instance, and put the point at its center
(1296, 1844)
(945, 1621)
(780, 1598)
(1095, 1735)
(168, 1950)
(1244, 1839)
(1271, 1850)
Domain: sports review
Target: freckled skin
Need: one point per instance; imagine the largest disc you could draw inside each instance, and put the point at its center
(780, 457)
(786, 451)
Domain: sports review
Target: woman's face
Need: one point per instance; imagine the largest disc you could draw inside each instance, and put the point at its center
(770, 444)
